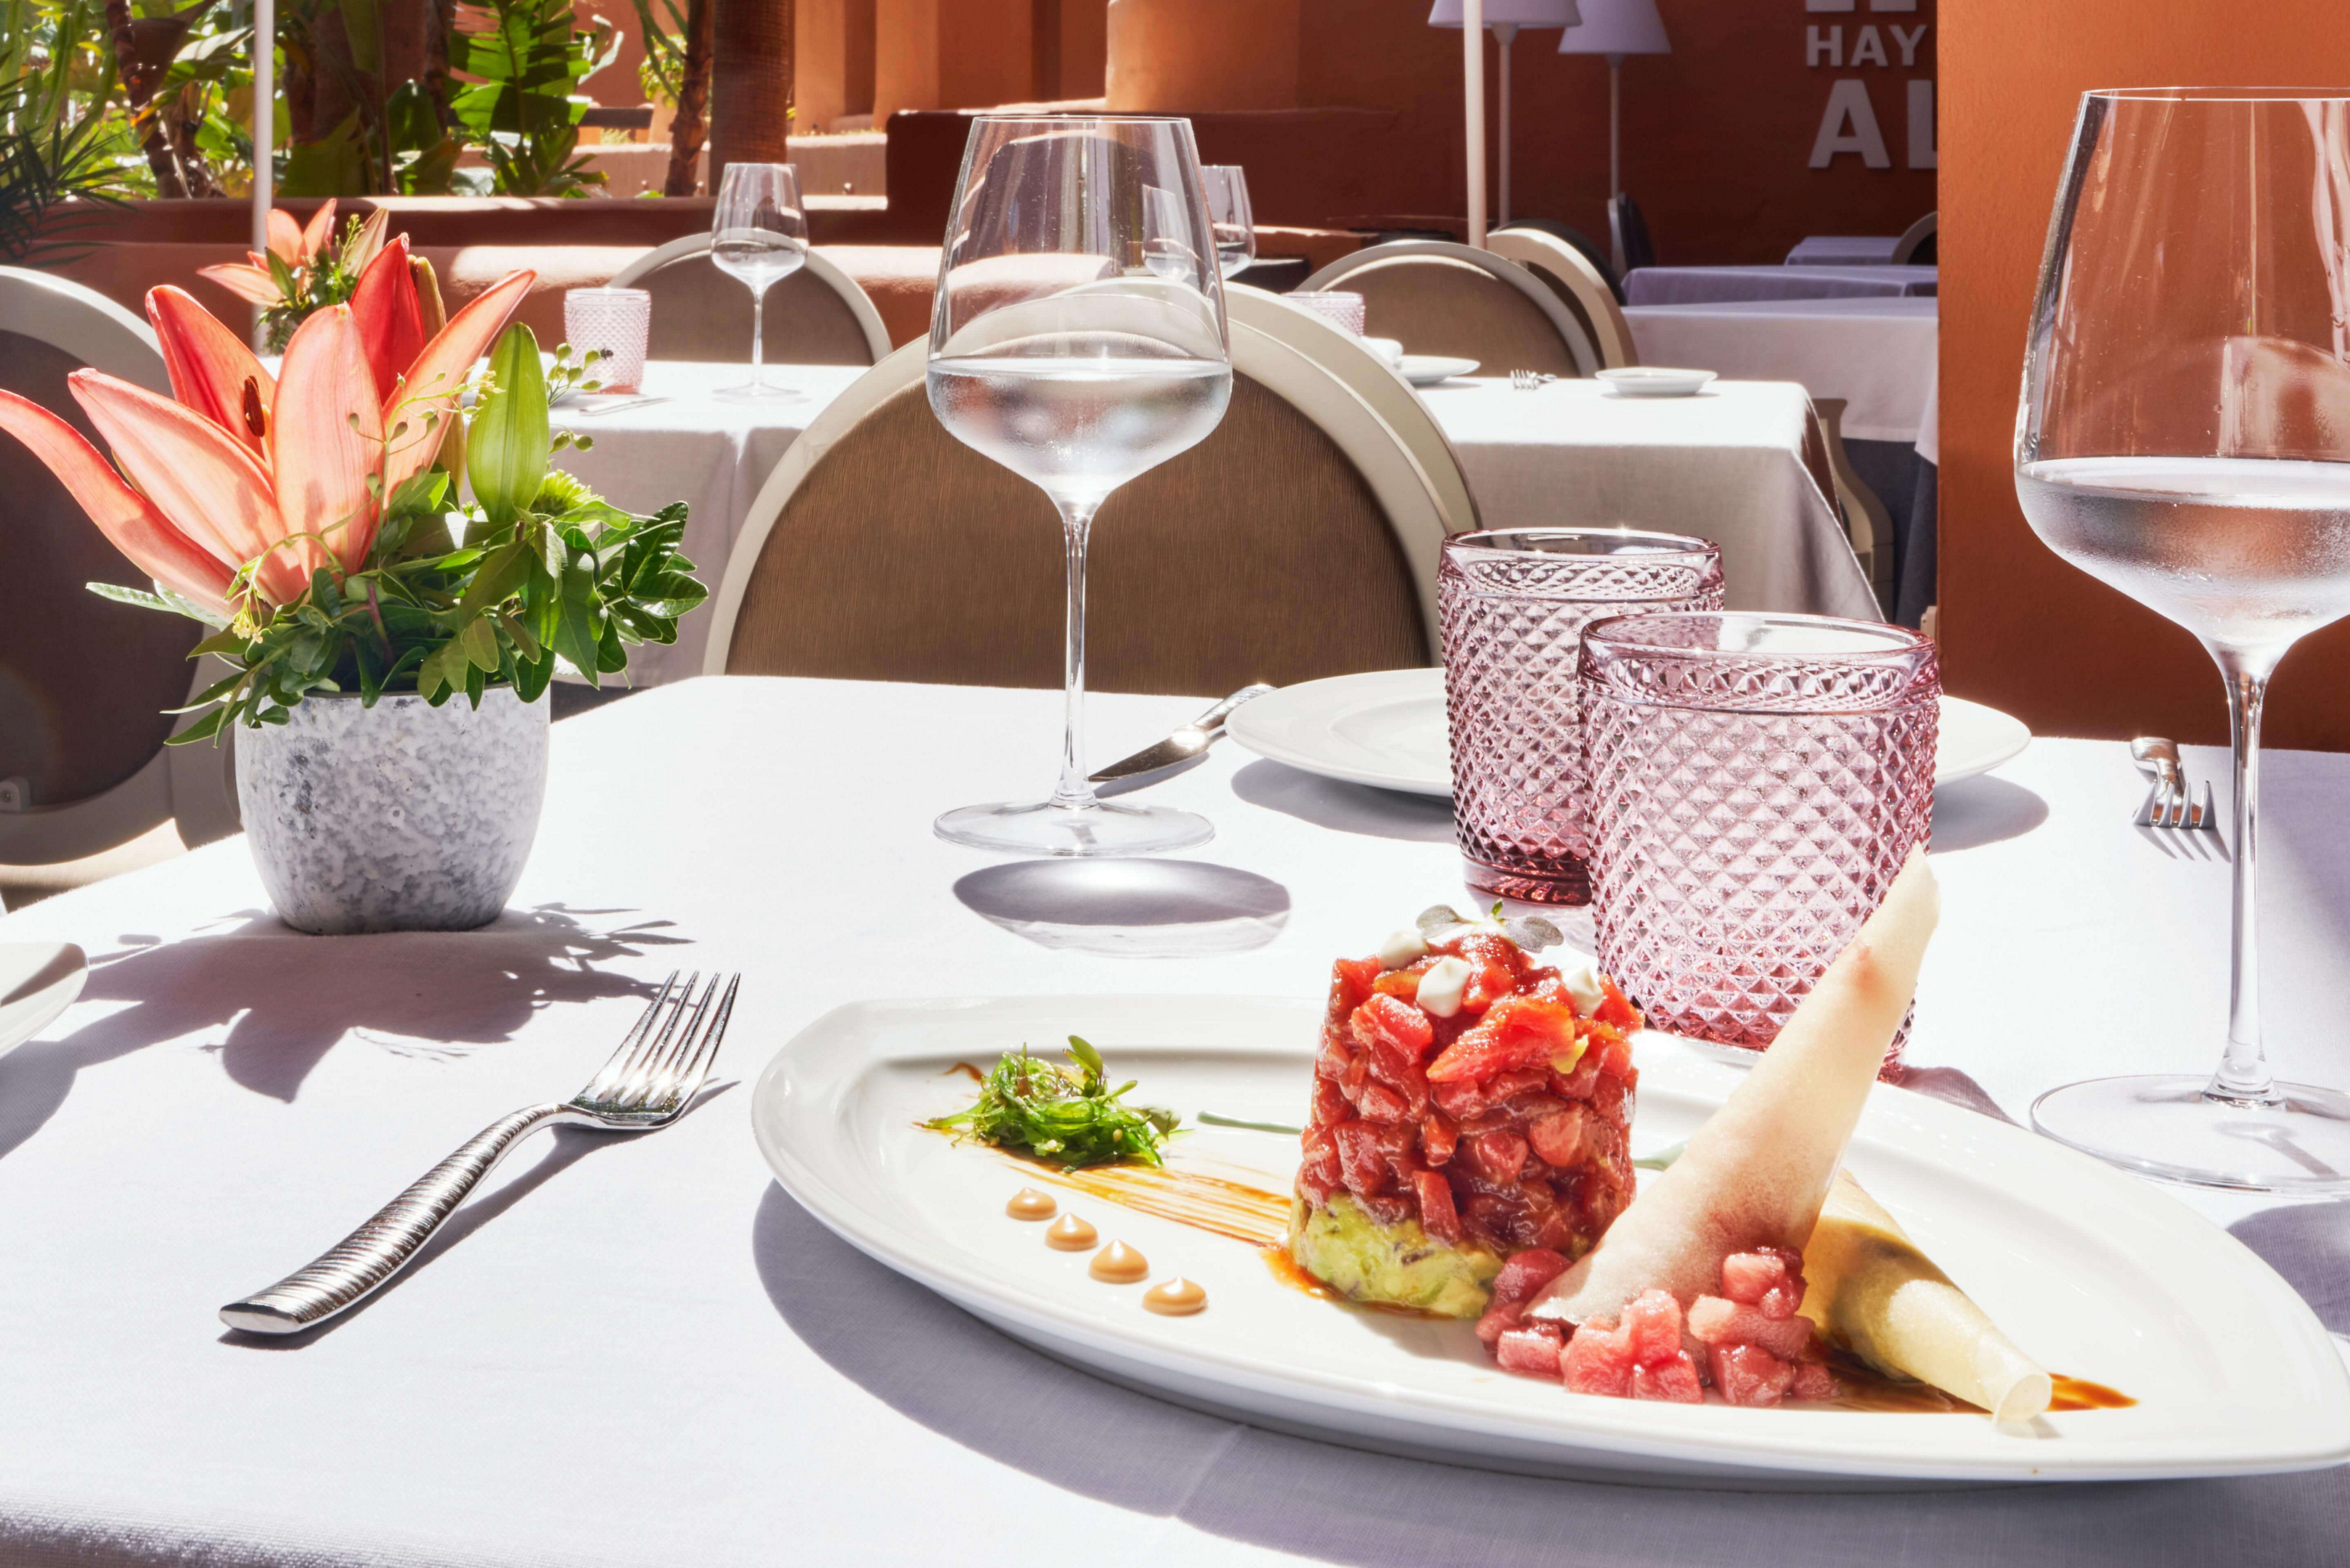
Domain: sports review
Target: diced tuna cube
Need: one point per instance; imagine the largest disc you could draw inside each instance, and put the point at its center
(1558, 1138)
(1437, 1215)
(1770, 1279)
(1329, 1101)
(1748, 1374)
(1438, 1138)
(1598, 1360)
(1380, 1103)
(1498, 1318)
(1533, 1350)
(1814, 1381)
(1527, 1273)
(1361, 1158)
(1653, 1319)
(1396, 1021)
(1675, 1381)
(1717, 1322)
(1500, 1156)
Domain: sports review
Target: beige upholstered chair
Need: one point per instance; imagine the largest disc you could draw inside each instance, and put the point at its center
(1442, 299)
(1579, 286)
(1865, 520)
(818, 316)
(84, 682)
(1298, 540)
(1918, 244)
(1366, 375)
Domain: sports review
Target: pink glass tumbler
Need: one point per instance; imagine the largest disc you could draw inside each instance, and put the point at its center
(1513, 604)
(1755, 782)
(615, 321)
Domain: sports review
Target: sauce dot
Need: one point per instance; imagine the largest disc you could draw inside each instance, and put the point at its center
(1178, 1297)
(1070, 1234)
(1119, 1264)
(1030, 1204)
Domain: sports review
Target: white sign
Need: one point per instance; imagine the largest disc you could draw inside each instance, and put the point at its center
(1848, 120)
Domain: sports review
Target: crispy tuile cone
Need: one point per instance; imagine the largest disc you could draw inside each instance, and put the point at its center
(1756, 1173)
(1871, 1290)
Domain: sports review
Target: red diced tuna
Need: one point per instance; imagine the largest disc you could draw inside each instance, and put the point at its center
(1438, 1138)
(1769, 1279)
(1558, 1138)
(1362, 1157)
(1395, 1021)
(1498, 1318)
(1675, 1381)
(1399, 1069)
(1437, 1215)
(1329, 1101)
(1380, 1103)
(1654, 1321)
(1500, 1156)
(1814, 1381)
(1530, 1350)
(1717, 1322)
(1750, 1375)
(1317, 1187)
(1598, 1360)
(1527, 1273)
(1333, 1059)
(1358, 1074)
(1516, 1032)
(1351, 980)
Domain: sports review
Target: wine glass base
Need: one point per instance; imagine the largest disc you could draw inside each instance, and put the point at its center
(1103, 828)
(2166, 1127)
(759, 393)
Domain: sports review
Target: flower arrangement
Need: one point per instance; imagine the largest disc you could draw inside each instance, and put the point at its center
(304, 269)
(313, 518)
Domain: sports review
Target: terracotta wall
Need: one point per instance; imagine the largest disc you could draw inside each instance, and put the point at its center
(2019, 627)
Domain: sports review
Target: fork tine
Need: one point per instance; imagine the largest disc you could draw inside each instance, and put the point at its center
(696, 1067)
(2204, 817)
(2145, 811)
(651, 1085)
(642, 1039)
(642, 1071)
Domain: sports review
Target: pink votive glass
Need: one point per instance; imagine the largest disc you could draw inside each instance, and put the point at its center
(614, 321)
(1339, 308)
(1754, 783)
(1513, 603)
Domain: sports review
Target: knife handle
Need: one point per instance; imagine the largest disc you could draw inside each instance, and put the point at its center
(1213, 718)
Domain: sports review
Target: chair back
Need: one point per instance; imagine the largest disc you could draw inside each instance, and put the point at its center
(1443, 298)
(1299, 540)
(1630, 233)
(1591, 249)
(818, 316)
(85, 682)
(1365, 374)
(1915, 246)
(1580, 286)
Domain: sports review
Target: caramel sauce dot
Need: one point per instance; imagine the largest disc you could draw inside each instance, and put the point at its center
(1178, 1297)
(1119, 1264)
(1071, 1234)
(1030, 1204)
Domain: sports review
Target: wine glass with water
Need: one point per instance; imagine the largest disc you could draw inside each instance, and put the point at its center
(1078, 339)
(2185, 437)
(758, 234)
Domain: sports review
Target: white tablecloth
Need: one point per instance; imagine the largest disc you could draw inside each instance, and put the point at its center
(1878, 355)
(1845, 250)
(710, 452)
(1717, 285)
(1726, 465)
(641, 1352)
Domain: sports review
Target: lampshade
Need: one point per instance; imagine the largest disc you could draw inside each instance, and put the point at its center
(1616, 28)
(1512, 14)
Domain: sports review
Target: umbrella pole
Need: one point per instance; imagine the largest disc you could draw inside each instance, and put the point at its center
(1473, 93)
(265, 126)
(1505, 33)
(1614, 125)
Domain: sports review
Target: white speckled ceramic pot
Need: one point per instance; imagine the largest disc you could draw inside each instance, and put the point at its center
(399, 818)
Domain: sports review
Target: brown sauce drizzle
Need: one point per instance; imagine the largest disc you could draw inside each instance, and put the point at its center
(1215, 1204)
(2080, 1394)
(1288, 1270)
(965, 1068)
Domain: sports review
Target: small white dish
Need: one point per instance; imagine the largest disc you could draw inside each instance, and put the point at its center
(1656, 381)
(2095, 1273)
(1428, 369)
(37, 982)
(1387, 728)
(1388, 350)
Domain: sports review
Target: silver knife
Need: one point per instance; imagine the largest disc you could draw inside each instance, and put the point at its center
(1185, 744)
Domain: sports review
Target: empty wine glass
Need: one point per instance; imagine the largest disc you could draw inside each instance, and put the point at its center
(758, 233)
(2185, 437)
(1228, 214)
(1078, 339)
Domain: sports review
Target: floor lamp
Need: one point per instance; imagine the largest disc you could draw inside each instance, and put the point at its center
(1505, 19)
(1616, 29)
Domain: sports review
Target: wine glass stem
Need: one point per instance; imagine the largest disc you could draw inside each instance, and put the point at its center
(758, 340)
(2243, 1076)
(1075, 792)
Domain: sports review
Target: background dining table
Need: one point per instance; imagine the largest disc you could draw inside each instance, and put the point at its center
(640, 1350)
(1739, 465)
(1717, 285)
(1844, 250)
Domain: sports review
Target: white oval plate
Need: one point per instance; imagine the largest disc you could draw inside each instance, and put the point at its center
(1428, 369)
(2099, 1275)
(1656, 381)
(1387, 728)
(37, 982)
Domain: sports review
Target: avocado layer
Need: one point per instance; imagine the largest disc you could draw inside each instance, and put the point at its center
(1398, 1264)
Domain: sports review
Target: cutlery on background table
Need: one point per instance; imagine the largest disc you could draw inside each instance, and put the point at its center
(1190, 741)
(1527, 381)
(2167, 803)
(648, 1083)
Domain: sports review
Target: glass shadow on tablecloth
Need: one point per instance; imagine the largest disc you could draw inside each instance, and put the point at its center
(997, 1398)
(1972, 812)
(255, 990)
(1347, 807)
(1129, 908)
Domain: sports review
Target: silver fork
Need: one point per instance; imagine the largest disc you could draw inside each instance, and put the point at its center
(2167, 804)
(1527, 381)
(648, 1083)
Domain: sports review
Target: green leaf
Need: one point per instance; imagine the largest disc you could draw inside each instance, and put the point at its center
(203, 729)
(577, 633)
(507, 446)
(363, 34)
(480, 641)
(138, 596)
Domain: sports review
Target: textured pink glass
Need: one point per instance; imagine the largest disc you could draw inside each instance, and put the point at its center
(1340, 307)
(1755, 782)
(1515, 603)
(616, 321)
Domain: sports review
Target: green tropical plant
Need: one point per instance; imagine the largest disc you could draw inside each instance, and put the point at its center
(52, 150)
(528, 55)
